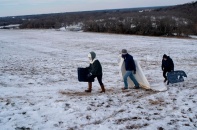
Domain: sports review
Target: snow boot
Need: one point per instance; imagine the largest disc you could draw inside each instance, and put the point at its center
(136, 87)
(89, 87)
(124, 88)
(102, 89)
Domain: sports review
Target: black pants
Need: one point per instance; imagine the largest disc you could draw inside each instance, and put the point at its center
(99, 77)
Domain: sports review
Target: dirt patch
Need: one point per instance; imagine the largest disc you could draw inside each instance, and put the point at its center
(74, 93)
(83, 93)
(156, 102)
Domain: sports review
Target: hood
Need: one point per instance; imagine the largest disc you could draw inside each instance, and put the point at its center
(165, 56)
(92, 55)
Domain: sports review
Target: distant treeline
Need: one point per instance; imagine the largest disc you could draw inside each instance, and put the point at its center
(180, 20)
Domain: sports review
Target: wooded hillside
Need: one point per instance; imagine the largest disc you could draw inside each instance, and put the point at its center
(180, 20)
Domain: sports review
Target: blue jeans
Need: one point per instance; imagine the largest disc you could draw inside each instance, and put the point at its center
(131, 76)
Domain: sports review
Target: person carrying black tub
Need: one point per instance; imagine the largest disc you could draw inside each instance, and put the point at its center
(95, 71)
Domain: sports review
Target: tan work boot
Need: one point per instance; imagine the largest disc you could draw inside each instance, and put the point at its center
(102, 89)
(89, 87)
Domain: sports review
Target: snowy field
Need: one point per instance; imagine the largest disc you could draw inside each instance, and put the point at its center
(39, 89)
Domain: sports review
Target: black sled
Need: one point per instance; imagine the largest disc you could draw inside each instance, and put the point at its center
(83, 75)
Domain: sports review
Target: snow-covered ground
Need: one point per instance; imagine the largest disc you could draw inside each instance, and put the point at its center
(39, 89)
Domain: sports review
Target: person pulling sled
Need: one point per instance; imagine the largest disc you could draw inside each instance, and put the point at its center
(130, 70)
(167, 66)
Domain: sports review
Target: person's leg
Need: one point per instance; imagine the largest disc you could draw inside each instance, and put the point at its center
(134, 80)
(89, 87)
(164, 75)
(99, 77)
(125, 79)
(90, 84)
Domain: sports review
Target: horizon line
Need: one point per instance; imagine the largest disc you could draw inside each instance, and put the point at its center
(94, 10)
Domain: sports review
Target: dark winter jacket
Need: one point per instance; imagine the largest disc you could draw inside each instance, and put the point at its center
(167, 65)
(129, 62)
(95, 67)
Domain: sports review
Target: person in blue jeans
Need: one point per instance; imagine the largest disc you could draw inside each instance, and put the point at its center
(130, 69)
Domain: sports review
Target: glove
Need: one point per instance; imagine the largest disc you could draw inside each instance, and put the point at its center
(134, 72)
(89, 75)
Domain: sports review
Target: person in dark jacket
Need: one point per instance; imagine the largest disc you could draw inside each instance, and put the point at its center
(167, 66)
(95, 70)
(130, 69)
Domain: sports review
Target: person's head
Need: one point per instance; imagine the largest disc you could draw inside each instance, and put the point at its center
(165, 57)
(124, 52)
(91, 55)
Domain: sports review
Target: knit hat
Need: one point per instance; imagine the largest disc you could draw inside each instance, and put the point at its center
(165, 56)
(124, 51)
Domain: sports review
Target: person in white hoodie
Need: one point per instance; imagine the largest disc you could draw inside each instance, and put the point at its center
(95, 70)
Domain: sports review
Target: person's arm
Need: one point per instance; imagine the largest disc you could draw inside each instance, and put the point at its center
(133, 64)
(172, 65)
(95, 67)
(162, 65)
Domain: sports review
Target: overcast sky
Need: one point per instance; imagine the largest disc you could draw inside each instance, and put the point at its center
(27, 7)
